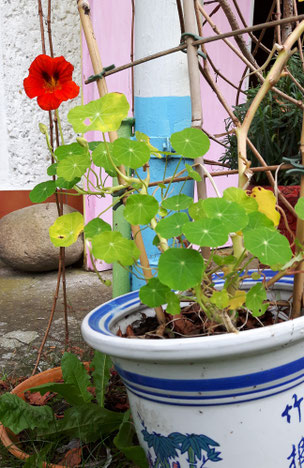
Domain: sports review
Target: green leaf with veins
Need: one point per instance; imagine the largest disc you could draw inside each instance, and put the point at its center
(101, 159)
(193, 173)
(113, 247)
(177, 202)
(255, 298)
(172, 226)
(42, 191)
(104, 114)
(240, 197)
(220, 299)
(52, 169)
(180, 268)
(190, 142)
(62, 183)
(258, 219)
(131, 153)
(232, 216)
(206, 232)
(66, 229)
(73, 166)
(299, 207)
(268, 245)
(154, 293)
(196, 210)
(173, 304)
(74, 149)
(102, 364)
(140, 209)
(94, 227)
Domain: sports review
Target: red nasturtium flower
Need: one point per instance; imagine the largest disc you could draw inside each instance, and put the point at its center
(50, 80)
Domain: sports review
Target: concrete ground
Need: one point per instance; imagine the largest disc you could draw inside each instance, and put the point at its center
(25, 305)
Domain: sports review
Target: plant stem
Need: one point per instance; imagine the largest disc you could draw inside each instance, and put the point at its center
(59, 126)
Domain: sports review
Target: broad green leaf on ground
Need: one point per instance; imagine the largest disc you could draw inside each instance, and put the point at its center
(181, 269)
(131, 153)
(193, 173)
(62, 183)
(42, 191)
(140, 209)
(299, 208)
(74, 373)
(232, 217)
(177, 202)
(52, 169)
(68, 391)
(206, 232)
(255, 298)
(74, 149)
(104, 114)
(196, 211)
(18, 415)
(240, 197)
(267, 203)
(220, 299)
(173, 304)
(172, 226)
(101, 159)
(153, 294)
(258, 219)
(66, 229)
(102, 364)
(73, 166)
(123, 441)
(94, 227)
(268, 245)
(113, 247)
(190, 142)
(87, 422)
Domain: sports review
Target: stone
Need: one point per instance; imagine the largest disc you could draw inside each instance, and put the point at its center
(24, 239)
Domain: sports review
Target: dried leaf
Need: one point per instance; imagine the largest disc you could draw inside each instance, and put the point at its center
(37, 399)
(72, 458)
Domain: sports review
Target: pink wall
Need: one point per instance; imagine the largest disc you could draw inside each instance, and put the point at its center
(112, 26)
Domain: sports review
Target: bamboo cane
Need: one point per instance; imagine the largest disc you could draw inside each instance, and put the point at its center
(84, 12)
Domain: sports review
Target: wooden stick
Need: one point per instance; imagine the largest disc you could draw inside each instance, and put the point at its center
(84, 11)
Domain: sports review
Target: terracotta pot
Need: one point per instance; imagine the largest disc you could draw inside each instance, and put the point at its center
(9, 439)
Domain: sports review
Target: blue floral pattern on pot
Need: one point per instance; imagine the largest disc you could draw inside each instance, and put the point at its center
(198, 447)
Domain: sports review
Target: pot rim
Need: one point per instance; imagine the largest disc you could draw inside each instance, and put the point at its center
(97, 324)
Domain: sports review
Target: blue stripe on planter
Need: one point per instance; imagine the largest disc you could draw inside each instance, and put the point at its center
(233, 402)
(212, 385)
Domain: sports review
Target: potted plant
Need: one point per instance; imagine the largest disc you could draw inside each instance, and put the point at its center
(217, 394)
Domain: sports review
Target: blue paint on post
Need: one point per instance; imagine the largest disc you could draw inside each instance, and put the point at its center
(159, 117)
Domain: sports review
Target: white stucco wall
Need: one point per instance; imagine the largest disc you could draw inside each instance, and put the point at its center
(23, 154)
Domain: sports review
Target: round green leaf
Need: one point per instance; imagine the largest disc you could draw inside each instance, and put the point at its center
(101, 159)
(190, 142)
(104, 114)
(154, 293)
(66, 229)
(220, 299)
(173, 304)
(140, 209)
(73, 166)
(255, 298)
(258, 219)
(240, 197)
(268, 245)
(232, 217)
(52, 169)
(172, 226)
(299, 208)
(196, 211)
(95, 227)
(62, 183)
(113, 247)
(42, 191)
(74, 149)
(131, 153)
(177, 202)
(180, 268)
(206, 232)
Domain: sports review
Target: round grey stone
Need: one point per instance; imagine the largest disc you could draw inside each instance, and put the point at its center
(24, 239)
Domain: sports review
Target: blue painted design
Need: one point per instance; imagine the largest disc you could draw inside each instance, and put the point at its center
(163, 449)
(288, 412)
(297, 455)
(162, 116)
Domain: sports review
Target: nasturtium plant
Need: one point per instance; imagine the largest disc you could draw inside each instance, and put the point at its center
(154, 293)
(255, 300)
(42, 191)
(177, 202)
(172, 226)
(193, 173)
(299, 208)
(131, 153)
(190, 143)
(140, 209)
(66, 229)
(188, 267)
(267, 203)
(94, 227)
(111, 247)
(268, 245)
(238, 195)
(102, 156)
(232, 216)
(73, 166)
(104, 114)
(207, 232)
(74, 149)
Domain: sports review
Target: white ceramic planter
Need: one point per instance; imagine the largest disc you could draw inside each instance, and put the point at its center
(231, 401)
